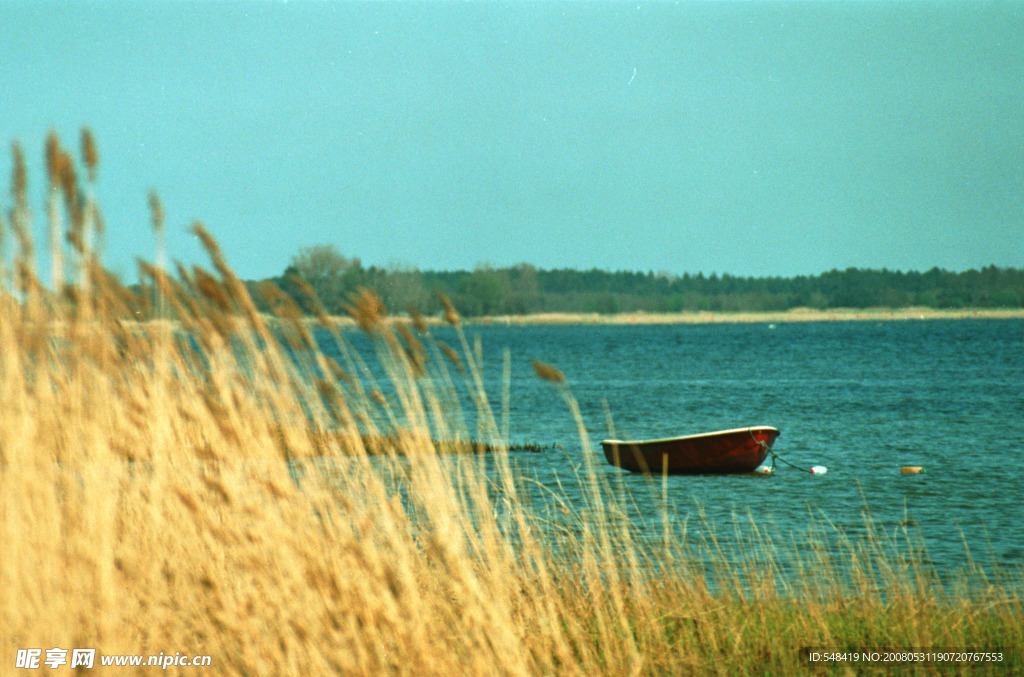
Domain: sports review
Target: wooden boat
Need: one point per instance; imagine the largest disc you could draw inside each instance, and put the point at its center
(723, 452)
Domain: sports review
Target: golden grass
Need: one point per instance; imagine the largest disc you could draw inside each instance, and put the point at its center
(203, 485)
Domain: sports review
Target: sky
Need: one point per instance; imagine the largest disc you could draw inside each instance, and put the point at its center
(741, 137)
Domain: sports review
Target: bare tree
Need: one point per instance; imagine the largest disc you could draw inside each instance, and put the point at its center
(327, 271)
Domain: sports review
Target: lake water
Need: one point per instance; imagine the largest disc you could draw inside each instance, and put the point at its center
(861, 398)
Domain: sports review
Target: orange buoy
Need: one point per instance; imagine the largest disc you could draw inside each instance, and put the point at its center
(911, 470)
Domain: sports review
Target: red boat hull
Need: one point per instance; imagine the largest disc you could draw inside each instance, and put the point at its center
(723, 452)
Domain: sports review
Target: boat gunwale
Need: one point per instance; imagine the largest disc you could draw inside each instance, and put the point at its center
(716, 433)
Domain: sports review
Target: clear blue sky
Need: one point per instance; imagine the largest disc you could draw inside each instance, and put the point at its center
(752, 138)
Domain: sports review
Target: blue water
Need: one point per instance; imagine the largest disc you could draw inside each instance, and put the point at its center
(861, 398)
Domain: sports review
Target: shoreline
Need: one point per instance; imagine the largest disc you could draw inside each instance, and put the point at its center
(702, 317)
(792, 315)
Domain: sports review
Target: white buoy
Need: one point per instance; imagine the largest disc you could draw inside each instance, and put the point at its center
(818, 470)
(764, 470)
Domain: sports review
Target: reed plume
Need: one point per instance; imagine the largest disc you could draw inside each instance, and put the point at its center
(19, 180)
(418, 320)
(69, 189)
(451, 354)
(547, 372)
(55, 159)
(20, 215)
(197, 484)
(52, 156)
(450, 316)
(90, 154)
(235, 288)
(367, 309)
(415, 351)
(307, 291)
(156, 212)
(83, 236)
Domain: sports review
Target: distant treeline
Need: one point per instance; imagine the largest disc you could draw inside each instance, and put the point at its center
(524, 289)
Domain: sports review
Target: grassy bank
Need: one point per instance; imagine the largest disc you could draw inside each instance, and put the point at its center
(205, 487)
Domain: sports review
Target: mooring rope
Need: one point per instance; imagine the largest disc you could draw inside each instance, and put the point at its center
(792, 465)
(776, 457)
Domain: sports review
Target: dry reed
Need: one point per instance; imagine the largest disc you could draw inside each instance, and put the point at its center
(197, 483)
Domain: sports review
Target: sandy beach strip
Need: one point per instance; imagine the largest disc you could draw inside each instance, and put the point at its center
(793, 315)
(707, 317)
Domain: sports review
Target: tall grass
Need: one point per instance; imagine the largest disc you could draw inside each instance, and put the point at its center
(179, 473)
